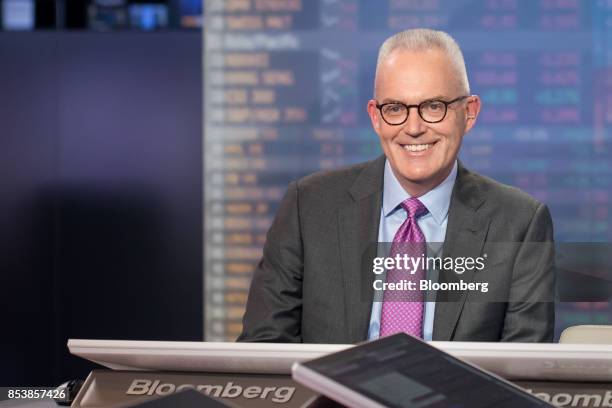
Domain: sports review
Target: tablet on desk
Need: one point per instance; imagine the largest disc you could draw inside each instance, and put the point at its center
(401, 371)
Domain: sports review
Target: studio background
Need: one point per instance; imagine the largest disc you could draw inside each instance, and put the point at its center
(142, 159)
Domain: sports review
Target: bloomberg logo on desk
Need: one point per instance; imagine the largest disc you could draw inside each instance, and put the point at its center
(279, 395)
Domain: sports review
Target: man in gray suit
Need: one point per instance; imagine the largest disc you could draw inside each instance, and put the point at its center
(314, 283)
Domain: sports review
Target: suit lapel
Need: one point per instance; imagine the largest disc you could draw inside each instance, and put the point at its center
(358, 234)
(465, 236)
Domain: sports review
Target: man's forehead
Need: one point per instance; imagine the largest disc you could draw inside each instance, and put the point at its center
(416, 75)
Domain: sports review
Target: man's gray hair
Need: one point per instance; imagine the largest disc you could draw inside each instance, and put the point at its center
(423, 39)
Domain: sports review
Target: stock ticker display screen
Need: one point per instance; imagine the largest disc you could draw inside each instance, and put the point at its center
(286, 87)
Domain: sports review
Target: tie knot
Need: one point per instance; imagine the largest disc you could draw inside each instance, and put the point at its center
(414, 207)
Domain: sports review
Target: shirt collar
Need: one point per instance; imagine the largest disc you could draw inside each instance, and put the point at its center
(437, 200)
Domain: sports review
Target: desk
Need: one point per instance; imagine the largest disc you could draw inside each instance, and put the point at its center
(104, 388)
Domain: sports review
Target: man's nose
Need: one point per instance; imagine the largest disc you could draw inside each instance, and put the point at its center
(414, 125)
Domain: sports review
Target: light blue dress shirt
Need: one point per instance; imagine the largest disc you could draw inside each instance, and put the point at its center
(433, 224)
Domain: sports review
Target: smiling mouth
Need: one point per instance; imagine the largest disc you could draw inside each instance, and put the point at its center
(417, 147)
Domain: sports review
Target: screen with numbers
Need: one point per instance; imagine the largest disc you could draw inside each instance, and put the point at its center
(286, 87)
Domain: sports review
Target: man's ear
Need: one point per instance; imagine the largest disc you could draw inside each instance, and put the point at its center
(373, 113)
(472, 110)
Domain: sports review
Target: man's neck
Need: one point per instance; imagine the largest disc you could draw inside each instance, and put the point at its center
(418, 189)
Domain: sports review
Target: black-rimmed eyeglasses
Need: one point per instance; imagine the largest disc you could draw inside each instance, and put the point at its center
(431, 111)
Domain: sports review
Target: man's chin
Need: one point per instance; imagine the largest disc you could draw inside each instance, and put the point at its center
(420, 181)
(417, 180)
(417, 176)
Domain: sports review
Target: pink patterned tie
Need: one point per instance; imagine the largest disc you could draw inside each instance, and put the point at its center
(402, 310)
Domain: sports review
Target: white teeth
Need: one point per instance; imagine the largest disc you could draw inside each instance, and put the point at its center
(417, 147)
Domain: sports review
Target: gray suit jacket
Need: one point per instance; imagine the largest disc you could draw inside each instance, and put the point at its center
(314, 281)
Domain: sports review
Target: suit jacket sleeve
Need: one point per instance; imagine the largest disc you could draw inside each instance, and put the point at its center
(274, 306)
(530, 315)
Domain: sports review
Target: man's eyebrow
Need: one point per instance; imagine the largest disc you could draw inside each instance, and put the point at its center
(439, 97)
(436, 97)
(390, 100)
